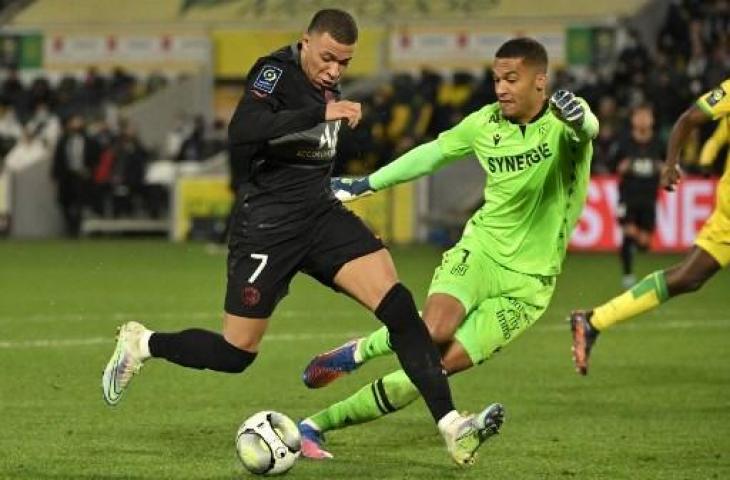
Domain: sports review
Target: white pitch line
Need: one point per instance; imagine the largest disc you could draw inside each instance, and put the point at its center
(716, 323)
(144, 316)
(80, 342)
(204, 315)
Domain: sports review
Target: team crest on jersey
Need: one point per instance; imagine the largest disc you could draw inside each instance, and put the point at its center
(714, 97)
(267, 78)
(250, 296)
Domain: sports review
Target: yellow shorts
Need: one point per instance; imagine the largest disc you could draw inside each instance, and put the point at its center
(714, 238)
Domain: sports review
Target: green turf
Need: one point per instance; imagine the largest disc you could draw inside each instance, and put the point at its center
(656, 405)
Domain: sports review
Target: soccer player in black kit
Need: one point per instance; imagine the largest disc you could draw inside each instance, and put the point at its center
(639, 161)
(285, 220)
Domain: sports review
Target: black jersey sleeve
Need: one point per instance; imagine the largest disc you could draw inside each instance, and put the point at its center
(261, 114)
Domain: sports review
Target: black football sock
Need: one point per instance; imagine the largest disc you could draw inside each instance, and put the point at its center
(201, 349)
(627, 255)
(416, 352)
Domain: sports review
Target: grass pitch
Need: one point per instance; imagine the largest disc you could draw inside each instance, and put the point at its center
(656, 404)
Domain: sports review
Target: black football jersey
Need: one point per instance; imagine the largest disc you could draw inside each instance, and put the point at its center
(278, 134)
(641, 181)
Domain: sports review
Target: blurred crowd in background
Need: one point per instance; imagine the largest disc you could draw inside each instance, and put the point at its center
(690, 56)
(99, 162)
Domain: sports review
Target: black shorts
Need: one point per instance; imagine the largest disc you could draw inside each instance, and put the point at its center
(641, 214)
(261, 264)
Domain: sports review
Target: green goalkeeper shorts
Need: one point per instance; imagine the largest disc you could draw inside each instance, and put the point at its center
(500, 303)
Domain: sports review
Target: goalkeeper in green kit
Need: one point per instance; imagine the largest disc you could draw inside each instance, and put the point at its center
(499, 278)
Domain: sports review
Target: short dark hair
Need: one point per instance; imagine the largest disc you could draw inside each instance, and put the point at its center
(530, 50)
(337, 23)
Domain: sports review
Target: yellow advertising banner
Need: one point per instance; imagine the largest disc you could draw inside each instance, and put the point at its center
(389, 214)
(199, 197)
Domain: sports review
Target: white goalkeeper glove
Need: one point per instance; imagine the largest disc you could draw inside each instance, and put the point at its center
(348, 189)
(566, 106)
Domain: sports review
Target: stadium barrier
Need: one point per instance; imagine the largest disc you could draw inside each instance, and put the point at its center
(29, 202)
(201, 202)
(680, 215)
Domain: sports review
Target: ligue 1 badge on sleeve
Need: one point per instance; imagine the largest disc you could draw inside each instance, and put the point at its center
(267, 78)
(715, 96)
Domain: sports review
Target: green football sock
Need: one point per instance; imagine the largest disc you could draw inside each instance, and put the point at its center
(385, 395)
(374, 345)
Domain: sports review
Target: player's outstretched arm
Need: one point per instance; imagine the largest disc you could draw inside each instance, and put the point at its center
(415, 163)
(574, 112)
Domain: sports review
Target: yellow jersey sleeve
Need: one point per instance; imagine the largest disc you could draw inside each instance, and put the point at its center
(716, 141)
(716, 102)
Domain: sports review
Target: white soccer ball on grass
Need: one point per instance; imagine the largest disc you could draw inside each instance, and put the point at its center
(268, 443)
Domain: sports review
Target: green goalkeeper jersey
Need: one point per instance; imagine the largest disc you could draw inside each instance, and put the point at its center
(537, 180)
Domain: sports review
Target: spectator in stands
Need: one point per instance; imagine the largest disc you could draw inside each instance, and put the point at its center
(175, 137)
(40, 92)
(639, 160)
(674, 36)
(10, 128)
(70, 97)
(101, 191)
(94, 87)
(718, 65)
(13, 92)
(46, 124)
(127, 175)
(122, 86)
(193, 147)
(74, 161)
(633, 59)
(665, 92)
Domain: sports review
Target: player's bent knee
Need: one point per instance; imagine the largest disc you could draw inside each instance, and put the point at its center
(443, 314)
(397, 299)
(440, 333)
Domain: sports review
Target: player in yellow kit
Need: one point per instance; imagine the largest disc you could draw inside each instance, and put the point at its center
(710, 253)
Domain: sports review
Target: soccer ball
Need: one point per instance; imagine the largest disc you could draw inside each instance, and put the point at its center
(268, 443)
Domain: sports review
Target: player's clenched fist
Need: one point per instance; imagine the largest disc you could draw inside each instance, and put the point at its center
(670, 177)
(344, 110)
(566, 107)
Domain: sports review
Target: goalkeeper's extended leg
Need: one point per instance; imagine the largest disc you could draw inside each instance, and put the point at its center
(463, 434)
(381, 397)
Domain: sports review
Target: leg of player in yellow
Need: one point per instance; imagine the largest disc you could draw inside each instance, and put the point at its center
(710, 254)
(656, 288)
